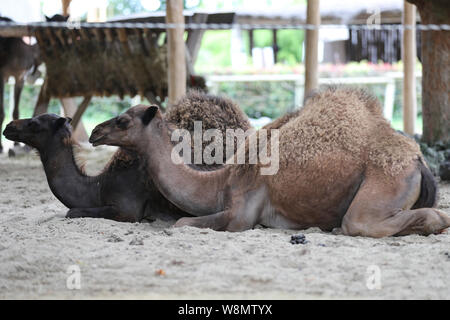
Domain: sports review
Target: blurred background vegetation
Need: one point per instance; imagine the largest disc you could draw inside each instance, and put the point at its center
(258, 99)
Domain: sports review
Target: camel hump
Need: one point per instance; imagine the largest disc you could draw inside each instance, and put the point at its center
(350, 94)
(428, 188)
(215, 112)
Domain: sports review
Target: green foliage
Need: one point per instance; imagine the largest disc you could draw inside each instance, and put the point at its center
(290, 43)
(121, 7)
(261, 99)
(215, 50)
(126, 7)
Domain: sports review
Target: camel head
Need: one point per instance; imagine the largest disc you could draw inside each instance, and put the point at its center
(40, 131)
(129, 128)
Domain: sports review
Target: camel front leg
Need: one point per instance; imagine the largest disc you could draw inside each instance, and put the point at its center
(217, 221)
(382, 207)
(106, 212)
(244, 214)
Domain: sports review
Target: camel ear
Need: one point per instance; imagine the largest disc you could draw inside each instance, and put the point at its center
(60, 123)
(149, 114)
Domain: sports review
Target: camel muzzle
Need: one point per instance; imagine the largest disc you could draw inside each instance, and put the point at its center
(96, 141)
(11, 132)
(97, 137)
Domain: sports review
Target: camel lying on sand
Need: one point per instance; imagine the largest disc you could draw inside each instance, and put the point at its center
(123, 191)
(340, 165)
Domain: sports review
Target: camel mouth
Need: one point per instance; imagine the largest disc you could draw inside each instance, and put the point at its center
(11, 133)
(96, 140)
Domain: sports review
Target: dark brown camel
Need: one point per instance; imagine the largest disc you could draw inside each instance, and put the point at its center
(340, 165)
(123, 191)
(19, 60)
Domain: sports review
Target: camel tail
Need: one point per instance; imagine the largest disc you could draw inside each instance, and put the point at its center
(428, 188)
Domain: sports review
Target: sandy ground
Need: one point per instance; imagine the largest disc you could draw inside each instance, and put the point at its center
(152, 260)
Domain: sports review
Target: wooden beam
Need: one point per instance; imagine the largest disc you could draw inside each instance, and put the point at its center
(312, 47)
(176, 51)
(42, 101)
(194, 39)
(70, 109)
(409, 62)
(80, 111)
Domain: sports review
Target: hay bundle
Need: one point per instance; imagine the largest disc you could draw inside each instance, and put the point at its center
(105, 62)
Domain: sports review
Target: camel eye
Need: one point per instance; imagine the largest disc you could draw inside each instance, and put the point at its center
(122, 123)
(33, 125)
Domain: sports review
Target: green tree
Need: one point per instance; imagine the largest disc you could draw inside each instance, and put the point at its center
(121, 7)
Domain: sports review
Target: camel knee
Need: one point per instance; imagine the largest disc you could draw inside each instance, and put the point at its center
(363, 229)
(352, 228)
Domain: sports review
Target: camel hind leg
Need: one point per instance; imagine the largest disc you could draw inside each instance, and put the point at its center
(382, 207)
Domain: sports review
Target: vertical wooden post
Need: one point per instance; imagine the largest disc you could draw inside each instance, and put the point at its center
(68, 104)
(275, 45)
(312, 47)
(65, 7)
(409, 61)
(176, 51)
(250, 42)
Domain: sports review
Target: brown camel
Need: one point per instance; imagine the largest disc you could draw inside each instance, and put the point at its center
(341, 165)
(123, 191)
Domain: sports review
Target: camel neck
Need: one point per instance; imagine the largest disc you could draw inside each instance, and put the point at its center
(66, 180)
(194, 191)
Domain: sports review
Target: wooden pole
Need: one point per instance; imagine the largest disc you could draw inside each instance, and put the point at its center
(312, 47)
(70, 108)
(250, 42)
(68, 104)
(80, 110)
(409, 61)
(65, 7)
(275, 45)
(176, 51)
(194, 39)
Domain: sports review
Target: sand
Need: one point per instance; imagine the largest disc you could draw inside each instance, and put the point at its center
(38, 247)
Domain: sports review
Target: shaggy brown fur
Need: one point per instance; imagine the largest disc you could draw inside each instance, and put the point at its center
(214, 112)
(345, 120)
